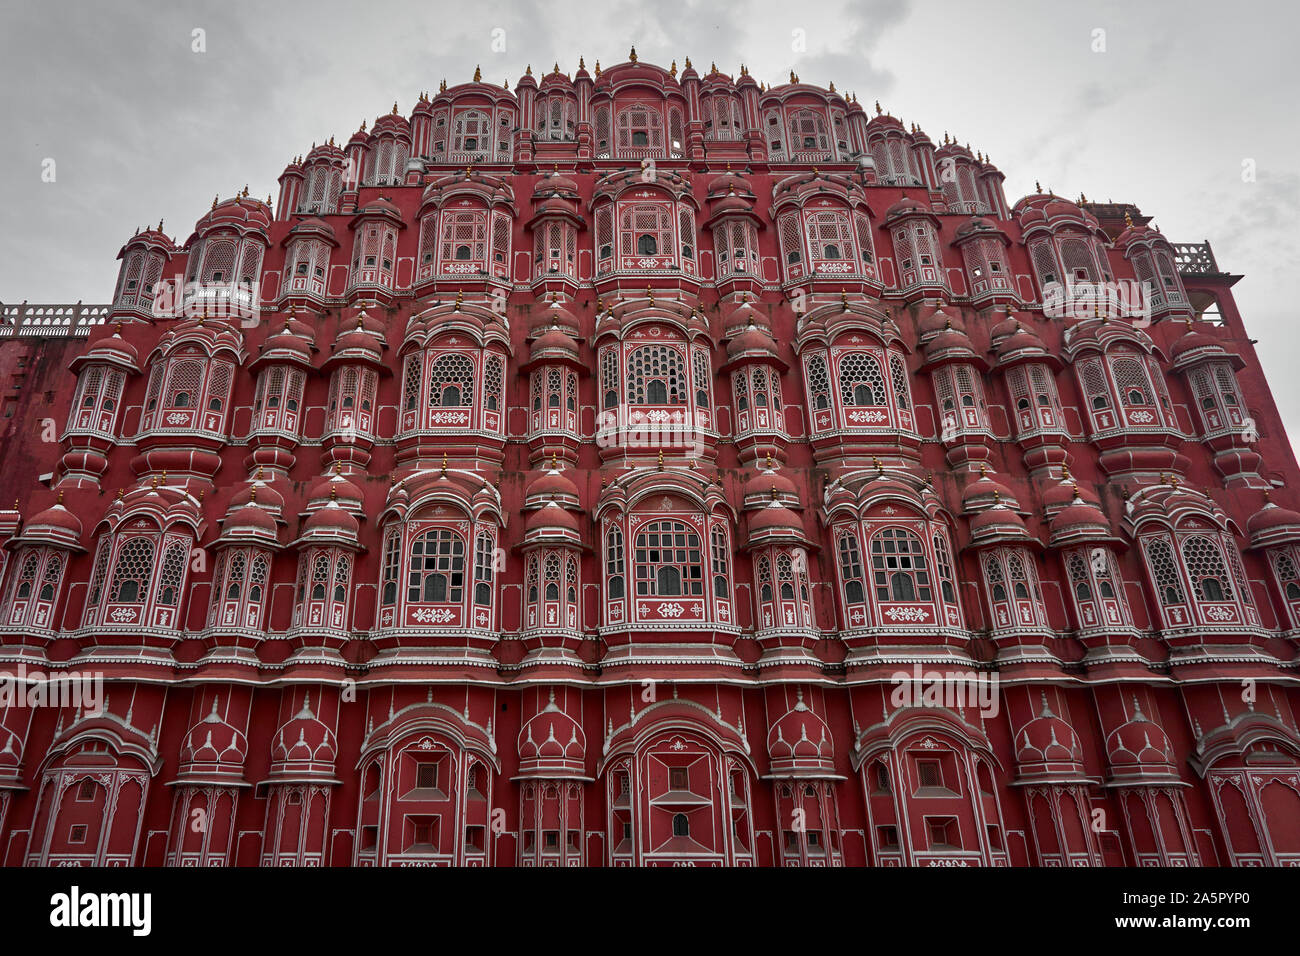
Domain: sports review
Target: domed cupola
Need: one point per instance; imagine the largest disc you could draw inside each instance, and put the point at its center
(304, 749)
(330, 524)
(250, 524)
(144, 258)
(1048, 748)
(985, 492)
(55, 526)
(1080, 522)
(1156, 265)
(213, 752)
(308, 247)
(1272, 525)
(766, 483)
(1227, 426)
(998, 525)
(1139, 751)
(799, 743)
(552, 744)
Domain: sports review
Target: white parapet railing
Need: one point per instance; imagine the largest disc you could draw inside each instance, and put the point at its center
(44, 320)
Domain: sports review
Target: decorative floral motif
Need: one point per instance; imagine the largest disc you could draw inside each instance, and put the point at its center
(907, 614)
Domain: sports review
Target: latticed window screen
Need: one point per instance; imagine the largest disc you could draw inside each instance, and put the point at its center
(898, 567)
(1131, 380)
(763, 577)
(669, 561)
(851, 569)
(1044, 262)
(133, 571)
(392, 563)
(1284, 566)
(645, 229)
(903, 248)
(898, 376)
(219, 261)
(500, 237)
(1205, 567)
(655, 376)
(1078, 261)
(686, 233)
(451, 381)
(829, 236)
(437, 572)
(173, 573)
(464, 236)
(703, 375)
(1094, 384)
(492, 380)
(640, 132)
(603, 135)
(740, 390)
(484, 555)
(411, 383)
(718, 545)
(861, 381)
(943, 570)
(808, 132)
(471, 132)
(865, 247)
(609, 377)
(818, 379)
(791, 238)
(218, 393)
(614, 561)
(183, 383)
(97, 578)
(1164, 571)
(1227, 383)
(342, 567)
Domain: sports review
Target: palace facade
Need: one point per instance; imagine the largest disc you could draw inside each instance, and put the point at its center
(649, 467)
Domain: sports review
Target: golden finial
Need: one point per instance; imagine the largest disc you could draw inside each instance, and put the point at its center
(661, 459)
(121, 493)
(1173, 480)
(261, 470)
(632, 56)
(1268, 498)
(1038, 187)
(60, 499)
(713, 67)
(478, 75)
(528, 70)
(460, 297)
(793, 78)
(878, 109)
(774, 493)
(688, 63)
(554, 464)
(155, 481)
(832, 86)
(556, 67)
(997, 497)
(444, 464)
(334, 494)
(394, 108)
(598, 69)
(214, 202)
(1128, 220)
(252, 495)
(984, 469)
(581, 65)
(672, 70)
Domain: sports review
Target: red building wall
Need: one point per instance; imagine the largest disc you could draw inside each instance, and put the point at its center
(499, 549)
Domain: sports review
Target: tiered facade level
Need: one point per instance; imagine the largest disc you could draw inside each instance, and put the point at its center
(601, 454)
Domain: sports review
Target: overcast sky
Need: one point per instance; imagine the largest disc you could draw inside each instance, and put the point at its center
(140, 126)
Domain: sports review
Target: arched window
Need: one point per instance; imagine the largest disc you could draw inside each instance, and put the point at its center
(669, 560)
(851, 569)
(614, 562)
(1204, 563)
(898, 567)
(655, 376)
(437, 573)
(861, 381)
(132, 572)
(451, 381)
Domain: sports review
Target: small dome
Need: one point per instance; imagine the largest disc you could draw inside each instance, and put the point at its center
(996, 524)
(552, 485)
(754, 341)
(1079, 521)
(304, 748)
(554, 344)
(55, 524)
(213, 747)
(768, 485)
(1273, 525)
(333, 522)
(939, 321)
(984, 492)
(800, 740)
(551, 741)
(1139, 747)
(551, 517)
(1047, 739)
(249, 522)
